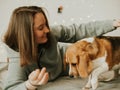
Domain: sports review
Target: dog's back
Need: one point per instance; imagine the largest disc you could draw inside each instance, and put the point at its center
(115, 44)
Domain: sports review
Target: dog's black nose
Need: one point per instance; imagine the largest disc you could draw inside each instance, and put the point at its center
(71, 76)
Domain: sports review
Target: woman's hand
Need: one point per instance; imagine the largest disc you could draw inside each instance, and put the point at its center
(116, 23)
(36, 78)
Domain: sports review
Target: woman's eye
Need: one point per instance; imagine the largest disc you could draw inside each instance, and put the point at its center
(73, 64)
(41, 27)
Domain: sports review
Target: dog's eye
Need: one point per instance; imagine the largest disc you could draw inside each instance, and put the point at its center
(73, 64)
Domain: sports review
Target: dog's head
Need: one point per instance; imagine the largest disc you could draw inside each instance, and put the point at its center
(79, 56)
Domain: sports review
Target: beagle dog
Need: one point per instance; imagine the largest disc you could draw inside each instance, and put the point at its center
(90, 57)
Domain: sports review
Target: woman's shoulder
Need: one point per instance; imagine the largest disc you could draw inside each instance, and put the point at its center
(6, 52)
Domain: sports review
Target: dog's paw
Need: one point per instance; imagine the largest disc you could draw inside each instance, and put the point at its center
(107, 76)
(94, 83)
(94, 86)
(86, 88)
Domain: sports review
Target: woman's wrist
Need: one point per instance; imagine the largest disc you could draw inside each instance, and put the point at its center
(29, 86)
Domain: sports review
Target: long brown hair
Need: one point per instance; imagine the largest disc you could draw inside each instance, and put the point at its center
(20, 36)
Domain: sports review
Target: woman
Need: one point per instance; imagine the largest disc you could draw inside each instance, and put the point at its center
(36, 54)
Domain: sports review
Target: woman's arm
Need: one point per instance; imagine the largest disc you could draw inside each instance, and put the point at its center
(75, 32)
(16, 76)
(28, 77)
(25, 78)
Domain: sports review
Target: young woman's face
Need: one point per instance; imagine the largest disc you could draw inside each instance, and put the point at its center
(40, 29)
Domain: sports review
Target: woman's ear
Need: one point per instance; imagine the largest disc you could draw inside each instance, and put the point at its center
(82, 66)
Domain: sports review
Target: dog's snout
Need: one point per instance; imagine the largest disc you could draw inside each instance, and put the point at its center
(71, 76)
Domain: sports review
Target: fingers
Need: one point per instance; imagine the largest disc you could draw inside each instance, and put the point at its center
(38, 77)
(42, 73)
(44, 79)
(34, 75)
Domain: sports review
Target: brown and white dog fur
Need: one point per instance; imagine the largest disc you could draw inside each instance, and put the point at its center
(92, 57)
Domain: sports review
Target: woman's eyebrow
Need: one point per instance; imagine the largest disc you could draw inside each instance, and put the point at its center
(41, 25)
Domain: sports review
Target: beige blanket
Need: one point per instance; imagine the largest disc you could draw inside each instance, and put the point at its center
(67, 83)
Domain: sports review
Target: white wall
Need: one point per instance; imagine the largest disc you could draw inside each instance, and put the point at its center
(74, 11)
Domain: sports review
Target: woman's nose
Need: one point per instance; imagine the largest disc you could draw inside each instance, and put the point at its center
(46, 30)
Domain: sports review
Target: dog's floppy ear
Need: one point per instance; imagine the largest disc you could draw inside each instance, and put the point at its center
(64, 62)
(84, 66)
(92, 49)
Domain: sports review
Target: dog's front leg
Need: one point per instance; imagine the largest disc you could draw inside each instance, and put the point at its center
(88, 85)
(94, 75)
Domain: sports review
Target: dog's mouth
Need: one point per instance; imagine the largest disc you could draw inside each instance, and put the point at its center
(73, 72)
(74, 75)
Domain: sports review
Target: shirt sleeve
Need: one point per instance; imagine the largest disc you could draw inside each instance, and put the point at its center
(16, 76)
(76, 32)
